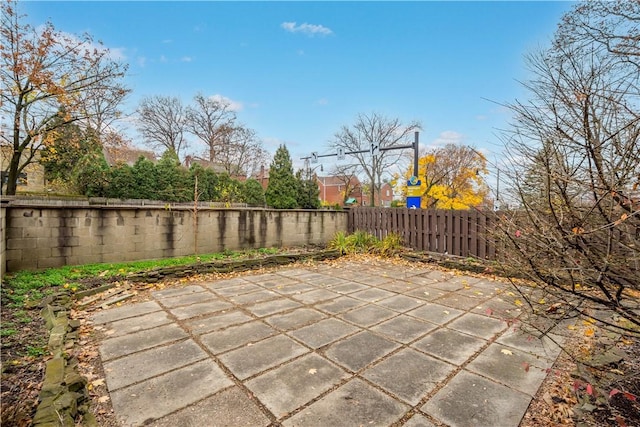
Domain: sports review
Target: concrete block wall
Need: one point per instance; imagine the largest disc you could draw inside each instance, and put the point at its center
(3, 240)
(39, 237)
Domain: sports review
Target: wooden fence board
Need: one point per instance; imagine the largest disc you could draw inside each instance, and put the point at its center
(461, 233)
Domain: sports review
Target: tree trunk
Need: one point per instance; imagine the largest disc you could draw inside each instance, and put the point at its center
(12, 183)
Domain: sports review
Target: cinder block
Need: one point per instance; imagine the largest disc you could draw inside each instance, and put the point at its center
(29, 243)
(51, 262)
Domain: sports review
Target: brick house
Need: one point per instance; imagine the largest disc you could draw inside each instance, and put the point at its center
(340, 189)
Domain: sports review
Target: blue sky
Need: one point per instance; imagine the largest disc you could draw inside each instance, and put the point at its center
(298, 71)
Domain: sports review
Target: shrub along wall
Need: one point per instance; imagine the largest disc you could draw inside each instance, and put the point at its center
(39, 236)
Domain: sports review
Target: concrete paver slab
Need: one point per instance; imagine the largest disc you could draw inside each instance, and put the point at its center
(324, 332)
(514, 368)
(274, 306)
(498, 307)
(244, 288)
(236, 336)
(294, 272)
(218, 321)
(254, 297)
(368, 315)
(471, 400)
(330, 348)
(228, 408)
(340, 304)
(458, 301)
(546, 346)
(296, 288)
(353, 404)
(426, 293)
(398, 286)
(372, 294)
(124, 312)
(296, 383)
(349, 288)
(194, 310)
(270, 280)
(420, 280)
(252, 359)
(173, 292)
(435, 313)
(404, 328)
(400, 303)
(477, 325)
(359, 350)
(226, 283)
(131, 343)
(449, 345)
(295, 319)
(163, 359)
(186, 299)
(409, 374)
(159, 396)
(418, 421)
(315, 296)
(139, 323)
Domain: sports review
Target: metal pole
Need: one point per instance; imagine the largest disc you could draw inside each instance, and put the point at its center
(415, 153)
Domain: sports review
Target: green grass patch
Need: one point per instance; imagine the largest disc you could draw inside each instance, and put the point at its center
(7, 331)
(26, 286)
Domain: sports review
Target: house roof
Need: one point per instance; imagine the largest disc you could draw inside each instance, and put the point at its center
(128, 155)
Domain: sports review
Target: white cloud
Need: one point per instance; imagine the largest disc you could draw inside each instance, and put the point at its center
(448, 137)
(233, 105)
(307, 29)
(142, 61)
(166, 41)
(163, 59)
(186, 59)
(322, 101)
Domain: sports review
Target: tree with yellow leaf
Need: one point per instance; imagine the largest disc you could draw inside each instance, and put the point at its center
(452, 177)
(48, 80)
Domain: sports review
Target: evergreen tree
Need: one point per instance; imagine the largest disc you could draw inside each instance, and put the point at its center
(144, 175)
(91, 175)
(253, 193)
(207, 182)
(121, 182)
(174, 183)
(282, 191)
(308, 191)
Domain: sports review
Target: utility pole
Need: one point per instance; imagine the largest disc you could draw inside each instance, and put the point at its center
(375, 149)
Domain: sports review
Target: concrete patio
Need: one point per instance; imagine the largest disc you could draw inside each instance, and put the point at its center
(342, 344)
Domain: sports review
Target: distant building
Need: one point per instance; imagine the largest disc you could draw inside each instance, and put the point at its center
(127, 155)
(31, 179)
(262, 177)
(348, 190)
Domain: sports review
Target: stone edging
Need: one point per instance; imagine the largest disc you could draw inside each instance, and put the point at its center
(64, 397)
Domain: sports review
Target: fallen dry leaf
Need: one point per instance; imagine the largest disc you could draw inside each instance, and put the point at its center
(507, 352)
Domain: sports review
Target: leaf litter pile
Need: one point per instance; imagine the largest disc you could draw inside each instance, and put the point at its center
(601, 389)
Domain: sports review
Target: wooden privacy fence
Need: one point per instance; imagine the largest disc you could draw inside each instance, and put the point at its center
(461, 233)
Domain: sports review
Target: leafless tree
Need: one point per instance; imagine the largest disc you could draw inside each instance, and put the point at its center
(376, 129)
(348, 179)
(162, 123)
(240, 151)
(613, 25)
(575, 167)
(48, 78)
(209, 119)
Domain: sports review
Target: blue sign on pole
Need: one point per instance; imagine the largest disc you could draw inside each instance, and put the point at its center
(414, 193)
